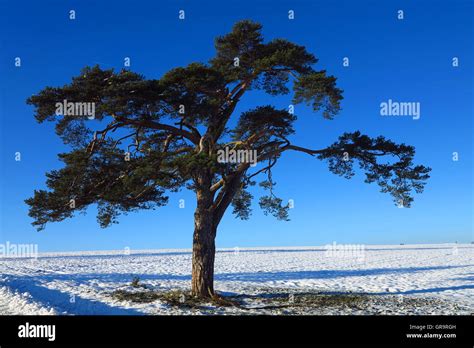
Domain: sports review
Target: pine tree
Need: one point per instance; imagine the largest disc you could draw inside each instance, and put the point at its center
(158, 136)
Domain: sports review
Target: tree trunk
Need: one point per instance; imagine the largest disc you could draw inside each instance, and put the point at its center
(203, 246)
(203, 259)
(206, 220)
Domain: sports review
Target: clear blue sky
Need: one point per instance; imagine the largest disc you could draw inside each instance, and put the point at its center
(403, 60)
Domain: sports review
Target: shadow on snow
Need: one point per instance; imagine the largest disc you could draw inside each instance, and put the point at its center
(62, 301)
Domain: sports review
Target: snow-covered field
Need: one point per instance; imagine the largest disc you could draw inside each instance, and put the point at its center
(440, 276)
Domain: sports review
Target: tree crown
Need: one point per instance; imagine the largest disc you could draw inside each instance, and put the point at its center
(151, 136)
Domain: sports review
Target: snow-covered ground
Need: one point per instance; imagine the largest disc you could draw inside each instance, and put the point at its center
(82, 282)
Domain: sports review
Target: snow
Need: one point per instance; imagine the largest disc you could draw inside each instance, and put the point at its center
(82, 282)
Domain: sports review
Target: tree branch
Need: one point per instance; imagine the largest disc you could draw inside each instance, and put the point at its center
(160, 126)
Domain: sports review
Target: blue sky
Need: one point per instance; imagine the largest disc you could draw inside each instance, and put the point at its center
(403, 60)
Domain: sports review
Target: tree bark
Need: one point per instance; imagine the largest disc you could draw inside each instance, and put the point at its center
(206, 219)
(203, 243)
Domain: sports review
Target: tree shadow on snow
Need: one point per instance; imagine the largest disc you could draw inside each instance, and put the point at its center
(63, 302)
(258, 277)
(329, 274)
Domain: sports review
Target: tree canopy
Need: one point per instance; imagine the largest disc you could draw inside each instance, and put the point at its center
(154, 136)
